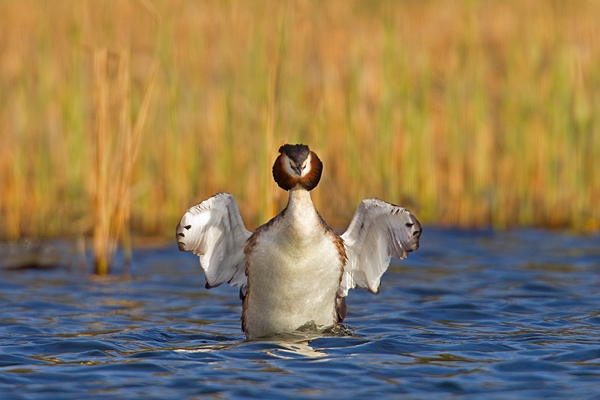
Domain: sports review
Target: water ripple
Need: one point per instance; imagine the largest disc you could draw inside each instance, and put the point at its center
(475, 314)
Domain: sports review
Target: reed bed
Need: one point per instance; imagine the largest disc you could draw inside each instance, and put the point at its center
(473, 114)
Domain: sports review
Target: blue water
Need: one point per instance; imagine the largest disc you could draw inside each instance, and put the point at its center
(475, 314)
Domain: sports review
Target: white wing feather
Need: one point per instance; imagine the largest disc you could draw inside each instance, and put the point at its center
(378, 231)
(214, 230)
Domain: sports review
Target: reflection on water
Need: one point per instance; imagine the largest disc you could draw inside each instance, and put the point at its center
(512, 314)
(275, 348)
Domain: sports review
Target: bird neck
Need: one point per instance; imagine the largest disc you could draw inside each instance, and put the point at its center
(299, 199)
(300, 208)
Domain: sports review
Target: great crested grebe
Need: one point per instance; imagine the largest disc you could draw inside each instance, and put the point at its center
(295, 269)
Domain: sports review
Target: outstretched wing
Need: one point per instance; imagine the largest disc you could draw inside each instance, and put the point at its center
(378, 231)
(214, 230)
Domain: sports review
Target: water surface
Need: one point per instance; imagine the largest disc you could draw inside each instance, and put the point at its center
(500, 315)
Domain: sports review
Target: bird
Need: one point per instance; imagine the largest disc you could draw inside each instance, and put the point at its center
(295, 270)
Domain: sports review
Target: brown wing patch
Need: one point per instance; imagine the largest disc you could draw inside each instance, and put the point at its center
(340, 302)
(339, 245)
(338, 242)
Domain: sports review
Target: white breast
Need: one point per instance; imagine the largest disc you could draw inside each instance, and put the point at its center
(294, 270)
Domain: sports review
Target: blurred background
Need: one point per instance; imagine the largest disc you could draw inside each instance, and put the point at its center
(469, 113)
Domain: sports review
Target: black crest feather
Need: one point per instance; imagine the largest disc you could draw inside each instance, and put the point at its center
(297, 152)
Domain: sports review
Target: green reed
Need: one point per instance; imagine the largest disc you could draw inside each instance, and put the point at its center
(469, 113)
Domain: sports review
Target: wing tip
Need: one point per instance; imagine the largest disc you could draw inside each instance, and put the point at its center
(209, 286)
(180, 234)
(376, 291)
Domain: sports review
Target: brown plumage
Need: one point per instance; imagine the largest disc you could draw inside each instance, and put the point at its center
(298, 153)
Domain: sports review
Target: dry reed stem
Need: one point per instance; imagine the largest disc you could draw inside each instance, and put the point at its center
(123, 162)
(116, 153)
(102, 210)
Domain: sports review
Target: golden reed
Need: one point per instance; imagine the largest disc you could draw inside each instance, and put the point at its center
(116, 141)
(470, 113)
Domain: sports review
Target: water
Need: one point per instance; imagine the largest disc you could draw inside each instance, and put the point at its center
(476, 314)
